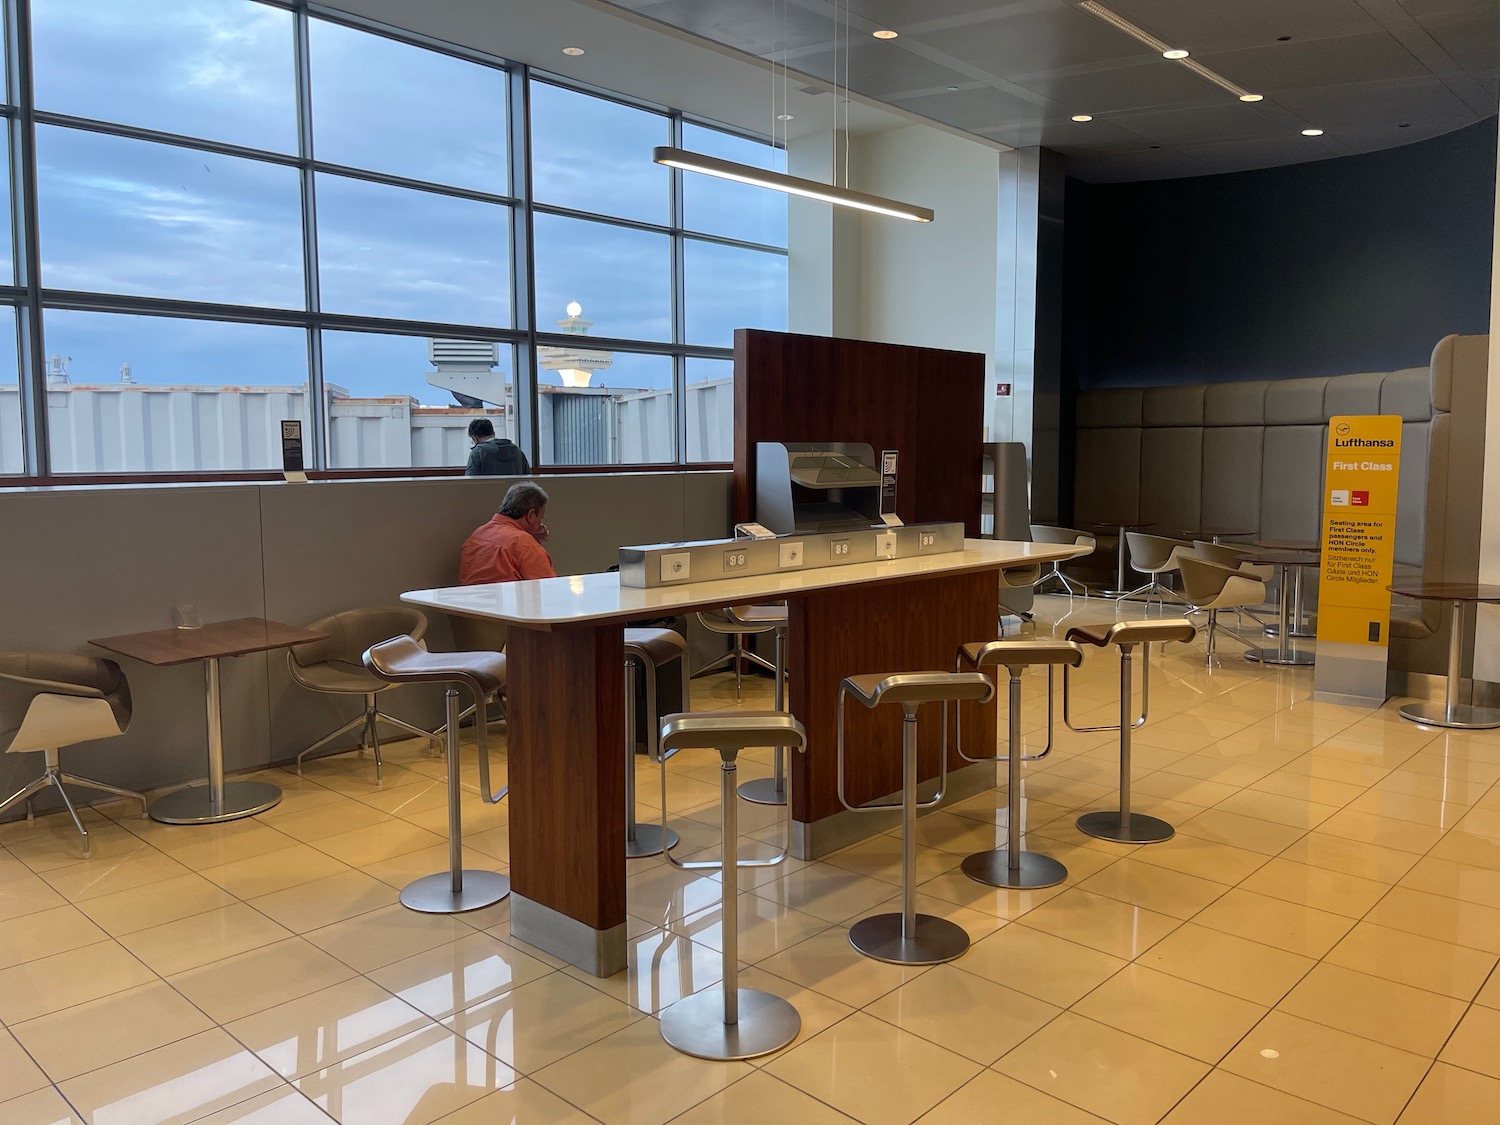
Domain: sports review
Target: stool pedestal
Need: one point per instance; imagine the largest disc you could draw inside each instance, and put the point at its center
(457, 890)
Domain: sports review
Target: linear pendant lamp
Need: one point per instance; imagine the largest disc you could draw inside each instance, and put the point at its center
(792, 185)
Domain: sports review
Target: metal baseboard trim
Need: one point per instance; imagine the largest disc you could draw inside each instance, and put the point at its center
(823, 837)
(601, 952)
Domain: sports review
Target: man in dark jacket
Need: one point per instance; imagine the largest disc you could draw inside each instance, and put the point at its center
(492, 456)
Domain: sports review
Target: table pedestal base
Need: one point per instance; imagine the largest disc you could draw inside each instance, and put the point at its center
(196, 806)
(1276, 656)
(1460, 716)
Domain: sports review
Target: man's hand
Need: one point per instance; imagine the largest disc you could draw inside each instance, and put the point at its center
(542, 533)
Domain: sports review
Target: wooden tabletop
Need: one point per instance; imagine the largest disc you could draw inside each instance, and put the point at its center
(1127, 525)
(1213, 532)
(1278, 556)
(1446, 591)
(217, 638)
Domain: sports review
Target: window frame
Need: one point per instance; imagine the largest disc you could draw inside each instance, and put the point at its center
(26, 293)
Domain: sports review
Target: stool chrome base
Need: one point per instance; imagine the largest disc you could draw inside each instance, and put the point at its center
(1460, 716)
(695, 1025)
(433, 894)
(1140, 829)
(648, 841)
(195, 805)
(993, 868)
(934, 940)
(764, 791)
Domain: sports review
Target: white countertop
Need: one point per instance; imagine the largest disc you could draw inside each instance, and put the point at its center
(596, 598)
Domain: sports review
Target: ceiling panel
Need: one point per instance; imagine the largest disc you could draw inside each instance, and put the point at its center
(1022, 67)
(1230, 122)
(1377, 106)
(1030, 41)
(1472, 38)
(1132, 85)
(879, 70)
(1323, 62)
(1202, 24)
(751, 27)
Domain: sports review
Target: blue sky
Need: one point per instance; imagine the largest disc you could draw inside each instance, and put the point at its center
(124, 216)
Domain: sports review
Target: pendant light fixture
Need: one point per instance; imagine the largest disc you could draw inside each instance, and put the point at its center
(842, 196)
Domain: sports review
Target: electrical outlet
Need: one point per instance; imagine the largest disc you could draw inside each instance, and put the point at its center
(734, 560)
(925, 540)
(791, 554)
(885, 545)
(839, 548)
(677, 566)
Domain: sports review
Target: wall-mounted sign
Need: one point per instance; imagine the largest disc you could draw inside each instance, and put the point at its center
(888, 460)
(1002, 390)
(292, 466)
(1359, 548)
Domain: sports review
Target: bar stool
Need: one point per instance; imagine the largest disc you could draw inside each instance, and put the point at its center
(1010, 866)
(402, 661)
(767, 790)
(909, 938)
(647, 649)
(730, 1022)
(1124, 826)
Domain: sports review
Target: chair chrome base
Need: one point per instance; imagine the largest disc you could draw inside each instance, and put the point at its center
(1460, 716)
(195, 805)
(433, 894)
(695, 1025)
(933, 940)
(1138, 829)
(1034, 871)
(764, 791)
(647, 841)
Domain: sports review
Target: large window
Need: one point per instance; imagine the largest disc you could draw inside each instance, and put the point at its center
(247, 212)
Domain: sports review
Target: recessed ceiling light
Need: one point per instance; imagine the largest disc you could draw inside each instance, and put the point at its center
(574, 51)
(1252, 97)
(785, 117)
(1083, 117)
(953, 87)
(1404, 125)
(1312, 132)
(1283, 39)
(1174, 53)
(884, 33)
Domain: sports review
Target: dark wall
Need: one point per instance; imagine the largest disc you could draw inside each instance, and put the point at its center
(1360, 263)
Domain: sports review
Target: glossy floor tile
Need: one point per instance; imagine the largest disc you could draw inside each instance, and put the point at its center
(1316, 945)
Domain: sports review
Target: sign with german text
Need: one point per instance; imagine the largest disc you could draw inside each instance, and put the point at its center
(888, 459)
(1359, 529)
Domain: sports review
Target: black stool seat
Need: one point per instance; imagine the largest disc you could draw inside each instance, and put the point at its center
(659, 645)
(1020, 653)
(1108, 633)
(402, 660)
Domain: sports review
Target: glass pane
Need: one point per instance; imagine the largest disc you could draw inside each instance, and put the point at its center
(7, 248)
(728, 209)
(591, 154)
(727, 287)
(389, 251)
(11, 457)
(623, 415)
(155, 394)
(710, 410)
(220, 69)
(395, 401)
(620, 277)
(125, 216)
(397, 108)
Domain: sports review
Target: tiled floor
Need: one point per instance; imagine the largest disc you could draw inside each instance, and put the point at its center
(1316, 946)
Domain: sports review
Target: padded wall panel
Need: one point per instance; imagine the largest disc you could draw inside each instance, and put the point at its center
(1407, 393)
(1411, 494)
(1291, 483)
(1353, 394)
(1235, 404)
(1171, 464)
(1108, 484)
(1116, 407)
(1172, 406)
(1295, 402)
(1232, 475)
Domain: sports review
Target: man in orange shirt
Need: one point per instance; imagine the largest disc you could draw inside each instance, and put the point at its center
(509, 547)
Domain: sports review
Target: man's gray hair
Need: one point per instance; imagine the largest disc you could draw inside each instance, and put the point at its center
(524, 496)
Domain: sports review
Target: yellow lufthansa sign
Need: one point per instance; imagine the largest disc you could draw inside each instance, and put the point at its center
(1359, 528)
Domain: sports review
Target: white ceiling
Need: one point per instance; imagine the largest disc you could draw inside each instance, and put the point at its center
(1372, 74)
